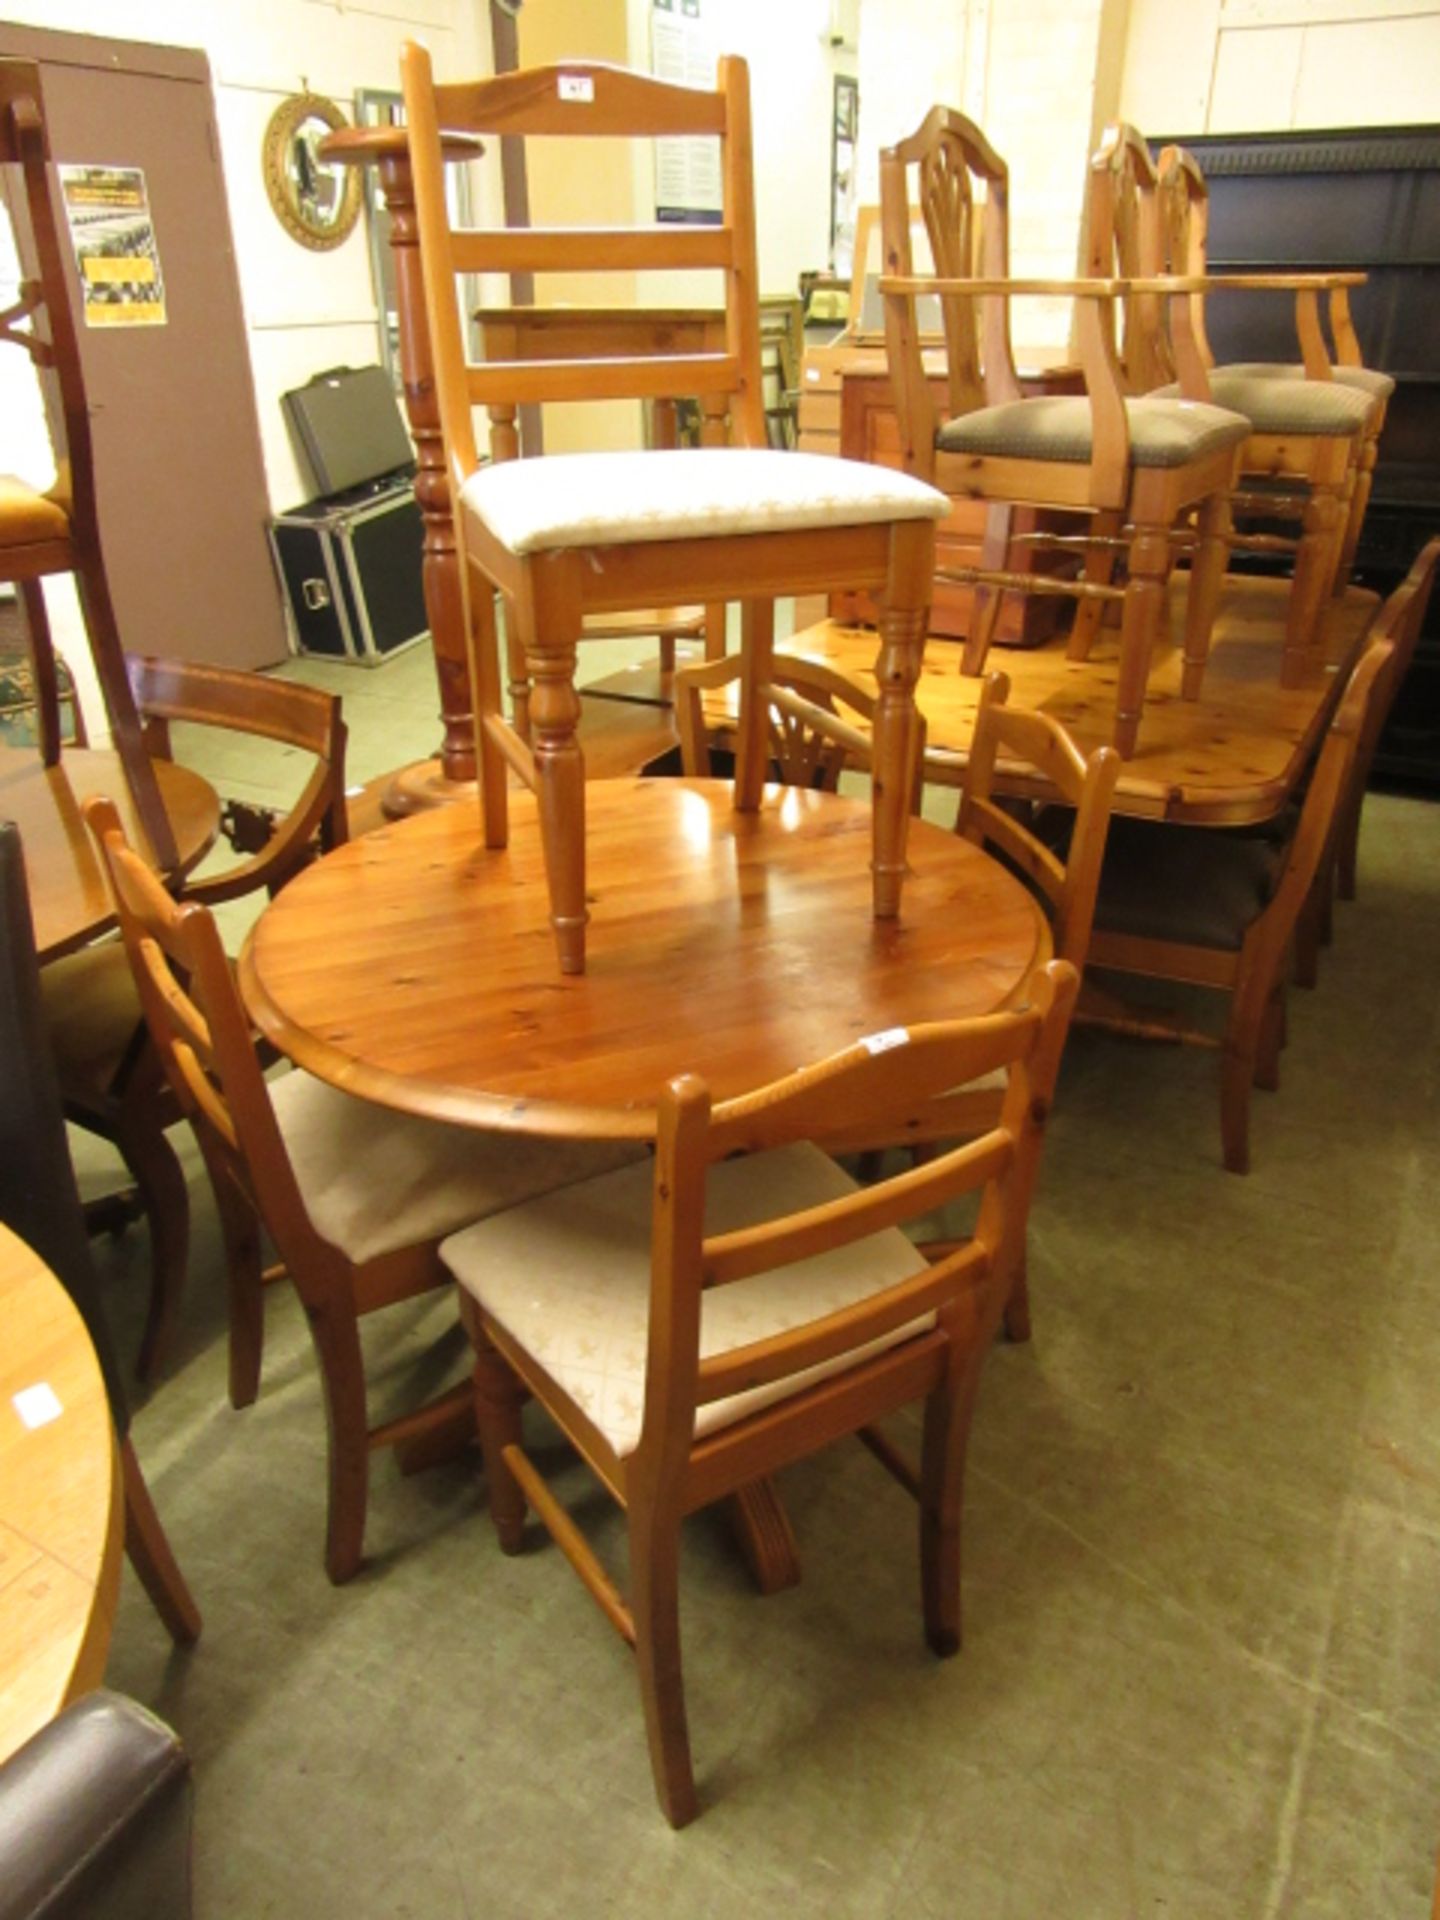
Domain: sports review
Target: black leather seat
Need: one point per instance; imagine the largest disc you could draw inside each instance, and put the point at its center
(95, 1818)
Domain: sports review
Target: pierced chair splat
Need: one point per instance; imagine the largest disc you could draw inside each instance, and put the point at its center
(566, 535)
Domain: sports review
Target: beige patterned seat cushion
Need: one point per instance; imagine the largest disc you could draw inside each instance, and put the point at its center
(1369, 380)
(569, 1278)
(374, 1181)
(1287, 406)
(1163, 433)
(604, 499)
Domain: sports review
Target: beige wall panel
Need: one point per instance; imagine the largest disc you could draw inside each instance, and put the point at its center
(1369, 73)
(1256, 74)
(1169, 59)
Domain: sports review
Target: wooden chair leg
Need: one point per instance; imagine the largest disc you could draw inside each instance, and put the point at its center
(994, 553)
(948, 1415)
(752, 743)
(1239, 1063)
(160, 1181)
(1099, 570)
(1144, 608)
(551, 626)
(903, 617)
(491, 771)
(1307, 937)
(1347, 847)
(1314, 558)
(1207, 576)
(1359, 501)
(715, 611)
(149, 1552)
(1272, 1040)
(655, 1605)
(1017, 1304)
(40, 645)
(497, 1418)
(342, 1376)
(240, 1231)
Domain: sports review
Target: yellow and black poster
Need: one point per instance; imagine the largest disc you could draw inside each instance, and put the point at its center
(114, 238)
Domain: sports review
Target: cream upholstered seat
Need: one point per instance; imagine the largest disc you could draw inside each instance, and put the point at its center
(568, 1276)
(374, 1181)
(355, 1198)
(563, 539)
(1164, 432)
(694, 1326)
(597, 499)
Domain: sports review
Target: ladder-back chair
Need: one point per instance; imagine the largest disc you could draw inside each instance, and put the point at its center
(58, 531)
(569, 534)
(1312, 422)
(356, 1198)
(722, 1316)
(1137, 464)
(110, 1076)
(1219, 909)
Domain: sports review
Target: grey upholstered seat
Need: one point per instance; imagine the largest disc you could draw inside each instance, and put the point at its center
(1369, 380)
(1163, 433)
(1285, 405)
(1196, 886)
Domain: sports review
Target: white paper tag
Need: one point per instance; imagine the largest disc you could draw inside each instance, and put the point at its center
(576, 86)
(37, 1406)
(883, 1042)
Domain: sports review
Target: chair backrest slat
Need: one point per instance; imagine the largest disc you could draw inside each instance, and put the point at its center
(1037, 742)
(586, 100)
(877, 1078)
(1124, 239)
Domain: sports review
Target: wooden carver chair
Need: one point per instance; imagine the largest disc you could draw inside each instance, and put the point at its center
(1399, 621)
(58, 531)
(39, 1201)
(565, 535)
(1312, 422)
(1218, 909)
(355, 1198)
(1140, 464)
(742, 1313)
(110, 1076)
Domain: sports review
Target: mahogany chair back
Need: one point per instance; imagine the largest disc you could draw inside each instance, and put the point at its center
(1040, 744)
(59, 531)
(306, 718)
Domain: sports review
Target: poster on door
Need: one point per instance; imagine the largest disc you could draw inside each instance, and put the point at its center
(108, 209)
(688, 188)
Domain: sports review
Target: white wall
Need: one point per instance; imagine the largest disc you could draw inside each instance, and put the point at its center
(1259, 66)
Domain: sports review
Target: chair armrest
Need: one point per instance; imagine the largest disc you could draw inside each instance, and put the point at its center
(95, 1815)
(1011, 287)
(1282, 282)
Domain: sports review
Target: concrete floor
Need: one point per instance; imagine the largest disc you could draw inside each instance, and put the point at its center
(1201, 1676)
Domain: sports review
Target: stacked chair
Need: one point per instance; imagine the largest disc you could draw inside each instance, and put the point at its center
(1309, 428)
(567, 535)
(1135, 466)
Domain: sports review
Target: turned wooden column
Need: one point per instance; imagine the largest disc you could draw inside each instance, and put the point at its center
(451, 775)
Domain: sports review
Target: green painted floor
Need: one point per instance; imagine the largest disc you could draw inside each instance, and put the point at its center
(1201, 1676)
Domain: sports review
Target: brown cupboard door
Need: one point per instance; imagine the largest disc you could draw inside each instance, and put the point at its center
(181, 481)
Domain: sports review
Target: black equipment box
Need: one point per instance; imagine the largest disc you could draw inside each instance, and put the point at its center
(351, 569)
